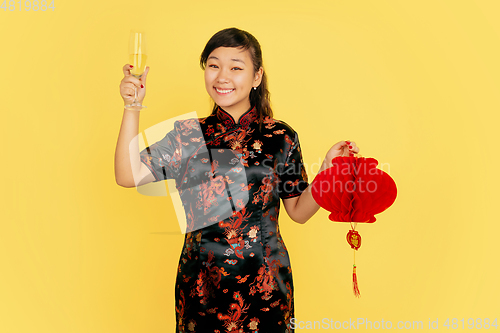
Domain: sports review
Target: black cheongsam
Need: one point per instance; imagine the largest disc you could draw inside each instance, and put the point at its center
(234, 273)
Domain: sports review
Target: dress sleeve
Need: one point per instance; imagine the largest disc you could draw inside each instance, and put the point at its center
(163, 158)
(293, 176)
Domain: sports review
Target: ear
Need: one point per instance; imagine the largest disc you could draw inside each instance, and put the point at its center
(258, 77)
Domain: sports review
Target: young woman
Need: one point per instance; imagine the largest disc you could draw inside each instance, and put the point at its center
(231, 168)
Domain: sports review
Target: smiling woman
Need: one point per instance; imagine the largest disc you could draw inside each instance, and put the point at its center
(232, 170)
(243, 52)
(230, 77)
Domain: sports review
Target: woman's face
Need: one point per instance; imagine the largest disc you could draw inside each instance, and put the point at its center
(229, 77)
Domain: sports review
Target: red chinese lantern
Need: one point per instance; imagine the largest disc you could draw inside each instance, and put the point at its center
(353, 190)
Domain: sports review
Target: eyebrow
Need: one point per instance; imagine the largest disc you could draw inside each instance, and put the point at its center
(235, 59)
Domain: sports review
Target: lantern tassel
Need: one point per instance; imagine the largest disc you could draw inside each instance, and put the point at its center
(355, 282)
(355, 278)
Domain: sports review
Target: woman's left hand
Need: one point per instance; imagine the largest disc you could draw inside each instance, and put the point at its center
(338, 149)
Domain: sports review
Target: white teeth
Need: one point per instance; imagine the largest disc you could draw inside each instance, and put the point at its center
(224, 91)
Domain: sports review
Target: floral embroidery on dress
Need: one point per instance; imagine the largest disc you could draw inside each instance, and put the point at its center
(234, 273)
(233, 321)
(264, 193)
(208, 280)
(265, 282)
(253, 324)
(232, 231)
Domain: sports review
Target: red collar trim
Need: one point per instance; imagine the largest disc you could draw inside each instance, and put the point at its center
(246, 119)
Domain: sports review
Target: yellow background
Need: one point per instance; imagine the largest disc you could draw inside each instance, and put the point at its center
(414, 83)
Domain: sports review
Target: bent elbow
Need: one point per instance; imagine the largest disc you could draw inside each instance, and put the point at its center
(123, 183)
(300, 220)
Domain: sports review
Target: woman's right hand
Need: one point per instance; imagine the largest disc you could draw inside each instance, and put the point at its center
(128, 83)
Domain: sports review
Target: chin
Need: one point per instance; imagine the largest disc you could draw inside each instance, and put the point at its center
(222, 104)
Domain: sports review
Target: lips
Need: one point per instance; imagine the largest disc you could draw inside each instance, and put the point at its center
(223, 91)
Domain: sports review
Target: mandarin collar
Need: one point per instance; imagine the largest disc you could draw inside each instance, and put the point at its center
(246, 119)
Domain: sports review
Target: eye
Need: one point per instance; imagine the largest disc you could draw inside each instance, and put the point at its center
(212, 66)
(237, 68)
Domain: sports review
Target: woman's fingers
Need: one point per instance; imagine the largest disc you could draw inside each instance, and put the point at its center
(130, 84)
(351, 145)
(126, 69)
(145, 75)
(338, 145)
(132, 80)
(129, 89)
(353, 149)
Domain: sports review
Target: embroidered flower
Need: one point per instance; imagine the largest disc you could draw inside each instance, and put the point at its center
(253, 232)
(231, 234)
(239, 203)
(167, 157)
(191, 325)
(270, 123)
(257, 145)
(253, 324)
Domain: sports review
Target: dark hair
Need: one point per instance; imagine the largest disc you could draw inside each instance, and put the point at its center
(233, 37)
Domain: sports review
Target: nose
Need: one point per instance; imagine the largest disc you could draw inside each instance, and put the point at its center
(223, 77)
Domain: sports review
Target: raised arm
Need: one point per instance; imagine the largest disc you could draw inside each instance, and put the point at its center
(129, 170)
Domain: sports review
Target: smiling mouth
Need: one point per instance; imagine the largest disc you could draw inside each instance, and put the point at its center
(223, 91)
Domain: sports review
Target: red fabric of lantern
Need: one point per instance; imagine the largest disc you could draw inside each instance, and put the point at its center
(353, 189)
